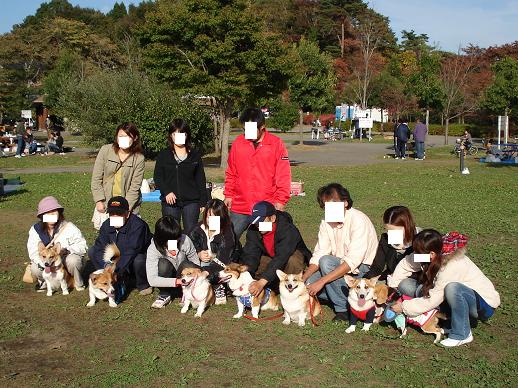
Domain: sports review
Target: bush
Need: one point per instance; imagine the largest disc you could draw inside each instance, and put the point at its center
(458, 130)
(99, 103)
(308, 119)
(285, 116)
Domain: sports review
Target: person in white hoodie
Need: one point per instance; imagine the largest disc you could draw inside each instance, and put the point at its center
(52, 228)
(450, 277)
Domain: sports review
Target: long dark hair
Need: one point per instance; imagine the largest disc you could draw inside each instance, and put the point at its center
(401, 216)
(219, 208)
(166, 228)
(57, 225)
(181, 126)
(426, 241)
(132, 131)
(334, 191)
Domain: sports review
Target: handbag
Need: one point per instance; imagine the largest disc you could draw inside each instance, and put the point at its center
(27, 275)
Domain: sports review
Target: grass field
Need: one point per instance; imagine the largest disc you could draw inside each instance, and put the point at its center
(58, 341)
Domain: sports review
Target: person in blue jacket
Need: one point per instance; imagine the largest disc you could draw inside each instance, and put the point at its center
(132, 236)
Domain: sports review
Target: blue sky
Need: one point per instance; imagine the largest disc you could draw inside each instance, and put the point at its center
(448, 23)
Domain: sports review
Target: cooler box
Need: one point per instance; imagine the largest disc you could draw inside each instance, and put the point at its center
(153, 196)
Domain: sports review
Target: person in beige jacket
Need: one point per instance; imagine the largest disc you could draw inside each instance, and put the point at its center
(346, 247)
(450, 277)
(118, 171)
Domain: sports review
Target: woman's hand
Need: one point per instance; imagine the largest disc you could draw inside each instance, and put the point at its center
(204, 256)
(228, 203)
(170, 198)
(99, 206)
(202, 209)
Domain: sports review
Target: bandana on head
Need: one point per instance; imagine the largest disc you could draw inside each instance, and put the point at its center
(452, 241)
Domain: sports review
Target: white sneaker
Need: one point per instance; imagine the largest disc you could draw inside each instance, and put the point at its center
(161, 302)
(221, 300)
(397, 157)
(17, 156)
(449, 342)
(403, 158)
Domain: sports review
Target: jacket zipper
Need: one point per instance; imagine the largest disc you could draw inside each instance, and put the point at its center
(177, 182)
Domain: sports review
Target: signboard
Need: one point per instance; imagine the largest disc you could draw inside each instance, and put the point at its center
(503, 125)
(27, 114)
(365, 122)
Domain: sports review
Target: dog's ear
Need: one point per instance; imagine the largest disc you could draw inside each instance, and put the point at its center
(57, 248)
(41, 248)
(381, 293)
(351, 282)
(371, 282)
(242, 268)
(94, 277)
(204, 274)
(281, 275)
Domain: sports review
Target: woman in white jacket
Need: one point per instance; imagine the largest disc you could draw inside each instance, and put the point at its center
(53, 228)
(450, 277)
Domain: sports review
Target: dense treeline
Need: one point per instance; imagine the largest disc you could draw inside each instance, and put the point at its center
(293, 55)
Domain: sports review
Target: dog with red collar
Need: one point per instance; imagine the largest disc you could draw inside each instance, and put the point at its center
(366, 300)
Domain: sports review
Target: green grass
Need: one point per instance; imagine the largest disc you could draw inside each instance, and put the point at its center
(134, 345)
(36, 161)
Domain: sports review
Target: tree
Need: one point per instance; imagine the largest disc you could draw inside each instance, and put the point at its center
(418, 44)
(214, 49)
(284, 115)
(502, 95)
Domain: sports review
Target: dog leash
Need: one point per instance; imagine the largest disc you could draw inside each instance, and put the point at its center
(192, 290)
(219, 262)
(312, 311)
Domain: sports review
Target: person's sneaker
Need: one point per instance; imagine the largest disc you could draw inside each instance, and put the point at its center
(17, 156)
(339, 317)
(41, 286)
(81, 288)
(397, 157)
(146, 291)
(221, 300)
(403, 158)
(449, 342)
(161, 301)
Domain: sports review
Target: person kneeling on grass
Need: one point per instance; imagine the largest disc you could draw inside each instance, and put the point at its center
(272, 242)
(216, 241)
(132, 236)
(344, 247)
(51, 229)
(449, 277)
(168, 253)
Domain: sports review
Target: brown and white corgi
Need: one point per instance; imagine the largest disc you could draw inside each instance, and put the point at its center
(101, 284)
(197, 290)
(239, 279)
(365, 300)
(55, 273)
(298, 305)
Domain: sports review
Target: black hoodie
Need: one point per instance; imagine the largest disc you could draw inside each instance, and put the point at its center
(287, 240)
(185, 179)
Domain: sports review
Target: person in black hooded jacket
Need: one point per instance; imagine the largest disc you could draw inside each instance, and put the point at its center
(272, 242)
(180, 177)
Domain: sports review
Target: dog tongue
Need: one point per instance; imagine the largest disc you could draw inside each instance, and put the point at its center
(361, 302)
(47, 269)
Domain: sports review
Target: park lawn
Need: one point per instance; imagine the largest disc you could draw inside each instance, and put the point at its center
(58, 341)
(37, 161)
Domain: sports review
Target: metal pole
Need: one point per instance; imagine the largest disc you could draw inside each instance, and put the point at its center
(461, 158)
(506, 129)
(499, 129)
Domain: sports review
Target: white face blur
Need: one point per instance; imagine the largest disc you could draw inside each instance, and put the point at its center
(179, 138)
(396, 236)
(51, 218)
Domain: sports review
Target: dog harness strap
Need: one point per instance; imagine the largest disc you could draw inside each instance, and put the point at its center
(246, 300)
(219, 262)
(422, 319)
(362, 314)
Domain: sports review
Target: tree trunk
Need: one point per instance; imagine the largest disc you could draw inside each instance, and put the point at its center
(381, 125)
(446, 131)
(217, 142)
(427, 117)
(301, 123)
(225, 140)
(442, 119)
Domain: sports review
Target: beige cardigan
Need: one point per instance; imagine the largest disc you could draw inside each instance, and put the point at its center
(459, 268)
(105, 166)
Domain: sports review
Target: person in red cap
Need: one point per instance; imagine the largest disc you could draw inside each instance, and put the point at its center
(258, 170)
(52, 228)
(448, 280)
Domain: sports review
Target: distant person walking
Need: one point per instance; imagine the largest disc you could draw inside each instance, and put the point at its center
(420, 132)
(401, 134)
(20, 139)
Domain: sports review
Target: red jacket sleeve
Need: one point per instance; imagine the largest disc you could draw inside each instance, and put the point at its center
(282, 175)
(230, 175)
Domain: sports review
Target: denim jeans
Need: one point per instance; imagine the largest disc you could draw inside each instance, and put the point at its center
(239, 222)
(336, 291)
(20, 146)
(189, 213)
(400, 149)
(462, 302)
(410, 287)
(419, 149)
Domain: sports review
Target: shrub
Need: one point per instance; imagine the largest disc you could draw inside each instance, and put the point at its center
(99, 103)
(285, 116)
(458, 130)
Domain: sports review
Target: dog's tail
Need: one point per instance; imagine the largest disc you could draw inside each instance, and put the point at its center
(111, 254)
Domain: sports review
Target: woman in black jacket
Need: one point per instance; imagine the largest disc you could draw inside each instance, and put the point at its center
(180, 177)
(399, 223)
(216, 240)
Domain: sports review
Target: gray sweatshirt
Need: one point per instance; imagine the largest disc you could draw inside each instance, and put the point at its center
(186, 251)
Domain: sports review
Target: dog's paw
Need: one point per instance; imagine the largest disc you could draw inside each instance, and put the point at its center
(302, 323)
(287, 321)
(66, 292)
(366, 328)
(197, 315)
(49, 293)
(350, 329)
(237, 316)
(183, 311)
(113, 305)
(90, 304)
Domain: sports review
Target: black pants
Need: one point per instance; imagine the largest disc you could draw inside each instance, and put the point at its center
(188, 213)
(400, 149)
(166, 270)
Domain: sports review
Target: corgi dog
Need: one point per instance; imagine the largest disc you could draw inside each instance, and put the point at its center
(55, 273)
(197, 290)
(239, 279)
(295, 299)
(428, 322)
(365, 298)
(101, 284)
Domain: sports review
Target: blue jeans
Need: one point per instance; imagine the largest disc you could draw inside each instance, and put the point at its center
(336, 291)
(189, 213)
(419, 149)
(410, 287)
(20, 146)
(239, 222)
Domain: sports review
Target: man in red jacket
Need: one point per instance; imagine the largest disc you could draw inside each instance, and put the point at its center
(258, 170)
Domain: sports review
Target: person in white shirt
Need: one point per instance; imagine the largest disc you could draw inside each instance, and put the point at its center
(343, 248)
(52, 228)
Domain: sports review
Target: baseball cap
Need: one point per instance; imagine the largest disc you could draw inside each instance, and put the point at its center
(117, 205)
(260, 211)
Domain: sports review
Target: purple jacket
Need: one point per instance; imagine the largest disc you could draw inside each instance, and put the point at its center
(420, 132)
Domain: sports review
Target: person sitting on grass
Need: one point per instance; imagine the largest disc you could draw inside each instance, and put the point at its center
(220, 243)
(272, 242)
(52, 228)
(166, 256)
(345, 247)
(450, 277)
(132, 236)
